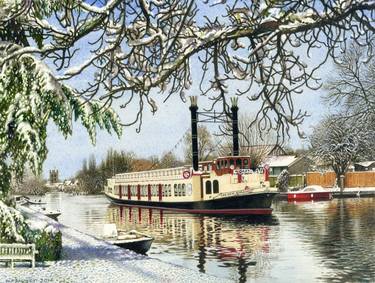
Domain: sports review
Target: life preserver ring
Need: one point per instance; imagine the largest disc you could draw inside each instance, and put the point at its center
(186, 174)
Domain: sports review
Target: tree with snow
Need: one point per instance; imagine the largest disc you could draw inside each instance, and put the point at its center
(352, 87)
(340, 141)
(283, 181)
(133, 47)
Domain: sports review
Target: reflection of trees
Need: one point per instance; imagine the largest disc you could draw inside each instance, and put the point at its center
(342, 233)
(236, 243)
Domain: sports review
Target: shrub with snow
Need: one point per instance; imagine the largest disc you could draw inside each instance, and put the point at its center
(15, 229)
(12, 225)
(47, 239)
(283, 181)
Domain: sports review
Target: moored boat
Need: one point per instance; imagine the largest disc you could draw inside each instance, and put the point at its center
(131, 240)
(229, 185)
(225, 186)
(54, 214)
(310, 193)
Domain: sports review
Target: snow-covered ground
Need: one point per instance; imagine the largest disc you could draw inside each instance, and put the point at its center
(88, 259)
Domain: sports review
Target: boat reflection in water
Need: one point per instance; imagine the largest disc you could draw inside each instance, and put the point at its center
(240, 243)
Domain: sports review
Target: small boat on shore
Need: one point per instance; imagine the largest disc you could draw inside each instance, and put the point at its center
(310, 193)
(27, 201)
(54, 214)
(131, 240)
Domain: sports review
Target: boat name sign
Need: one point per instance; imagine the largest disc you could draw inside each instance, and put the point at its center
(233, 193)
(248, 171)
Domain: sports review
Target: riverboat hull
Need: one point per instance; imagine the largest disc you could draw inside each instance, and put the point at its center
(250, 204)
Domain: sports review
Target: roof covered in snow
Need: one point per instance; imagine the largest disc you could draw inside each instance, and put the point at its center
(280, 161)
(365, 163)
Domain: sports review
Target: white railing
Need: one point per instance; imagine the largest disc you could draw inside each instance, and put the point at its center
(160, 174)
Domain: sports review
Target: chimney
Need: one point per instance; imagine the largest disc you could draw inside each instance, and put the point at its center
(234, 109)
(194, 130)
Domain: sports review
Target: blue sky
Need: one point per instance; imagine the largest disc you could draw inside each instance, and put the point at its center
(160, 132)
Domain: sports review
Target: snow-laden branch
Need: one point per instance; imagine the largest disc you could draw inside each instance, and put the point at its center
(140, 45)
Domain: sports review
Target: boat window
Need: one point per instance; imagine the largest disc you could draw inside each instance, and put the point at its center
(175, 190)
(208, 188)
(183, 191)
(209, 167)
(226, 163)
(231, 162)
(216, 186)
(169, 190)
(246, 163)
(152, 190)
(238, 163)
(179, 189)
(217, 165)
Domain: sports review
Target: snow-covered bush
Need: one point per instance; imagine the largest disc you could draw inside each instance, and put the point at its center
(12, 225)
(283, 181)
(15, 229)
(47, 240)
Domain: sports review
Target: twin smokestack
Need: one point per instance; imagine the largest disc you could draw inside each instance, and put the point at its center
(194, 128)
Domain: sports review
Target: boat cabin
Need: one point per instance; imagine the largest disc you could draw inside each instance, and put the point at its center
(226, 165)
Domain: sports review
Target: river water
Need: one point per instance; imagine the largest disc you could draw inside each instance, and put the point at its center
(330, 241)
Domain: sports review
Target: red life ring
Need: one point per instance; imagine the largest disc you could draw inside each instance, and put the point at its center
(186, 174)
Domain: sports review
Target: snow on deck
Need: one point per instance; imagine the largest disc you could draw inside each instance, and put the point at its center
(88, 259)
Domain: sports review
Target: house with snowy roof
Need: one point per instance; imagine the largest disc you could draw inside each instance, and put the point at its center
(364, 166)
(295, 165)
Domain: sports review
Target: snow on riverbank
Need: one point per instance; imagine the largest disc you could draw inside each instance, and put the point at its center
(88, 259)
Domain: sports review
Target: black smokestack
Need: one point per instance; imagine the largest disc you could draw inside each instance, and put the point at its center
(194, 130)
(234, 109)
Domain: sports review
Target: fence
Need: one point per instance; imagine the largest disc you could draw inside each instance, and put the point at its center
(294, 181)
(352, 179)
(326, 180)
(360, 179)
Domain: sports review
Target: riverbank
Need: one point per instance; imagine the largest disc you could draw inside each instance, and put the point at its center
(353, 192)
(89, 259)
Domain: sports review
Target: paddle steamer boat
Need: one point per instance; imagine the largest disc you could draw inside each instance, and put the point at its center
(217, 188)
(225, 186)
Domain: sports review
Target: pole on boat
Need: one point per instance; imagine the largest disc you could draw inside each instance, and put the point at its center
(234, 109)
(194, 130)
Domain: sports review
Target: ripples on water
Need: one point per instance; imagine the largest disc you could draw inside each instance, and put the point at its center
(331, 241)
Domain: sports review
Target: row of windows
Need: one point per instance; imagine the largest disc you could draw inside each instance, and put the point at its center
(178, 190)
(238, 163)
(212, 188)
(150, 174)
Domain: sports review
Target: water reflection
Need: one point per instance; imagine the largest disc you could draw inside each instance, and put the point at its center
(330, 241)
(237, 243)
(339, 233)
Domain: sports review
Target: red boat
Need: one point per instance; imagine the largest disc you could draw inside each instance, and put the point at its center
(310, 193)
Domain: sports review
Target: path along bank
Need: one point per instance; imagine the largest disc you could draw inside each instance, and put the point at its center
(89, 259)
